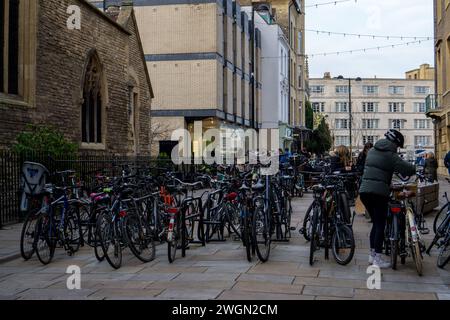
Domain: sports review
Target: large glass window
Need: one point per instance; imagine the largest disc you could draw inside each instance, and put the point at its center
(370, 123)
(397, 124)
(370, 90)
(396, 107)
(396, 90)
(419, 107)
(370, 107)
(422, 141)
(371, 139)
(342, 124)
(341, 107)
(421, 90)
(318, 107)
(317, 89)
(422, 124)
(342, 89)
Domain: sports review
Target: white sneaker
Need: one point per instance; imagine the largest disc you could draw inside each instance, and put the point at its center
(371, 256)
(380, 263)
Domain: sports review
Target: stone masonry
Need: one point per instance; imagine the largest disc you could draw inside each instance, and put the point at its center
(60, 63)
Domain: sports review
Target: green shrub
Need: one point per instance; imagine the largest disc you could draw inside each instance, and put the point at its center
(44, 139)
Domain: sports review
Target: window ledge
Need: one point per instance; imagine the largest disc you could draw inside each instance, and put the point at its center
(92, 146)
(13, 100)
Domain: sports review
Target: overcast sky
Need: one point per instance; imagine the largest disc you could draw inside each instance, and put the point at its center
(380, 17)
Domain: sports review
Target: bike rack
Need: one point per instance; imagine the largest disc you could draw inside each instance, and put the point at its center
(212, 206)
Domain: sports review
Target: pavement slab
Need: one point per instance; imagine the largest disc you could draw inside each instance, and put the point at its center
(221, 271)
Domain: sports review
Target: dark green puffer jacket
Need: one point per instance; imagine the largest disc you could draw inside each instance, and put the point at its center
(381, 163)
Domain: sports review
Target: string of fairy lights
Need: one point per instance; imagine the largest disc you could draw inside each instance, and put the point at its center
(372, 36)
(415, 40)
(329, 3)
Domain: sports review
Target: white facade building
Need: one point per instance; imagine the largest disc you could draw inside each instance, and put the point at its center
(377, 105)
(275, 77)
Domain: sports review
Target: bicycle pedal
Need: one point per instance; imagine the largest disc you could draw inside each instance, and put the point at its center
(292, 228)
(425, 231)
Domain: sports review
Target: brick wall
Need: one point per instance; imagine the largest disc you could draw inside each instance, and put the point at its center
(61, 60)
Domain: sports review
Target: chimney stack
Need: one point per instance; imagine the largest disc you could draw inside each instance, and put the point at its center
(327, 75)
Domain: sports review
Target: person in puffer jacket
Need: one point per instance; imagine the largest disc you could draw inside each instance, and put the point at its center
(381, 164)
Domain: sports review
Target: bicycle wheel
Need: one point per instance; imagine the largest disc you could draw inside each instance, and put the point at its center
(139, 238)
(315, 234)
(215, 223)
(261, 234)
(173, 243)
(72, 233)
(98, 251)
(444, 255)
(343, 245)
(417, 257)
(85, 225)
(247, 239)
(286, 217)
(233, 218)
(394, 253)
(414, 244)
(111, 240)
(190, 225)
(27, 236)
(44, 243)
(345, 208)
(440, 217)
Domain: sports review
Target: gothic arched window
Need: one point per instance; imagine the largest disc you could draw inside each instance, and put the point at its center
(91, 114)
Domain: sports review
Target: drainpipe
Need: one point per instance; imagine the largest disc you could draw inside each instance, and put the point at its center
(252, 71)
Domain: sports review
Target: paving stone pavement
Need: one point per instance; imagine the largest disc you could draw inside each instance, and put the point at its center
(221, 271)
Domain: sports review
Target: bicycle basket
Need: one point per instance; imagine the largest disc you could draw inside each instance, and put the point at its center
(33, 178)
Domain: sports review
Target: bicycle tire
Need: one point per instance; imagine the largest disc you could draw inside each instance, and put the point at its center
(72, 231)
(444, 255)
(440, 217)
(172, 246)
(44, 246)
(314, 234)
(98, 251)
(288, 218)
(306, 223)
(247, 240)
(416, 253)
(139, 239)
(343, 238)
(345, 208)
(111, 238)
(233, 219)
(260, 224)
(394, 254)
(417, 257)
(28, 233)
